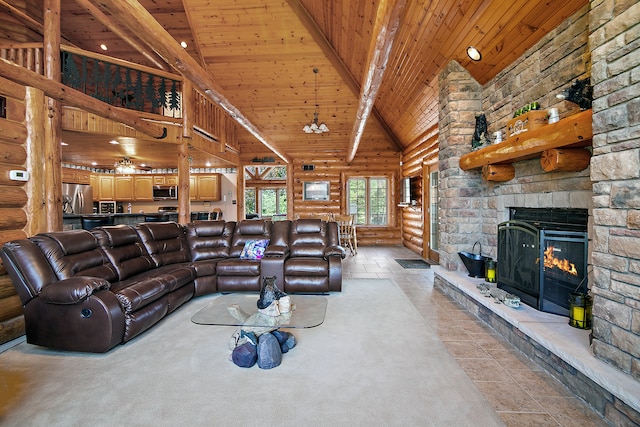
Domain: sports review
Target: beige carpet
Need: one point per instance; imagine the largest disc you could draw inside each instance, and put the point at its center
(374, 361)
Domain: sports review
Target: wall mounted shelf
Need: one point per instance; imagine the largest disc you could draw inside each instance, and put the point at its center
(573, 132)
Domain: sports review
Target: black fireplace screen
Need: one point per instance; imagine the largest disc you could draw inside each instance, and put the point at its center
(541, 265)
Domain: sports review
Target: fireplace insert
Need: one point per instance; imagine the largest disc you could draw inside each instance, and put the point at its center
(543, 260)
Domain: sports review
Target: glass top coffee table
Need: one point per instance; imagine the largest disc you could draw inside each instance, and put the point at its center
(308, 312)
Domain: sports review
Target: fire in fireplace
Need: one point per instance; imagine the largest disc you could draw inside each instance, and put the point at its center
(542, 256)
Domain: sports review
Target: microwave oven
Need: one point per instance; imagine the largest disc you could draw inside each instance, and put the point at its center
(165, 192)
(106, 207)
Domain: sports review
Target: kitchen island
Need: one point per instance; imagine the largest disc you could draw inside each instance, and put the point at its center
(74, 221)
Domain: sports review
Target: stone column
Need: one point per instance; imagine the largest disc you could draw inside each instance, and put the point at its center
(460, 204)
(615, 172)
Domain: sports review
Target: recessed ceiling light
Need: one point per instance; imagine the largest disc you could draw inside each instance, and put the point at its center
(208, 164)
(103, 46)
(114, 142)
(63, 143)
(474, 53)
(183, 44)
(94, 163)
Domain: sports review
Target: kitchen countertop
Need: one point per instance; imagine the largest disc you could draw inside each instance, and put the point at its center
(119, 214)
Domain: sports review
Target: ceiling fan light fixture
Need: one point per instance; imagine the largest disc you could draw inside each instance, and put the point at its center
(315, 127)
(474, 53)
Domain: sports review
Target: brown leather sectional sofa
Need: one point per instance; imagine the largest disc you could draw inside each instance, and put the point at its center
(91, 290)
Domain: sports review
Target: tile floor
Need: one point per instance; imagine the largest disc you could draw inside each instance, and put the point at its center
(520, 391)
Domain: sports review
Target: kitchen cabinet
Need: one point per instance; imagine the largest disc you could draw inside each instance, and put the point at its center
(124, 188)
(106, 187)
(193, 188)
(93, 181)
(165, 180)
(76, 176)
(208, 187)
(204, 188)
(143, 188)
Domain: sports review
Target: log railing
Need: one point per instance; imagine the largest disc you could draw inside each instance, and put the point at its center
(127, 85)
(207, 116)
(27, 55)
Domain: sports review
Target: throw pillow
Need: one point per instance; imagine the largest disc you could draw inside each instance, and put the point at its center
(254, 249)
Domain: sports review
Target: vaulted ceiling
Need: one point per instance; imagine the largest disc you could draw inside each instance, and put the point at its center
(261, 54)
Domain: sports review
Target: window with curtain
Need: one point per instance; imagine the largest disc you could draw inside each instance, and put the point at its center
(368, 200)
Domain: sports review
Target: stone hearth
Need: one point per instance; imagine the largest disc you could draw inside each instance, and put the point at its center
(548, 340)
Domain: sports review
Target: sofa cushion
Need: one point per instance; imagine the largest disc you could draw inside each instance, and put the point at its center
(165, 242)
(308, 238)
(209, 239)
(123, 247)
(307, 266)
(238, 267)
(75, 252)
(136, 292)
(254, 229)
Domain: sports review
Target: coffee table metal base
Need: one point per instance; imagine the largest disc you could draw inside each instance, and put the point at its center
(308, 312)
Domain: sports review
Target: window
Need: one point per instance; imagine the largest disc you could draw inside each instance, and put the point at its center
(368, 200)
(265, 191)
(273, 201)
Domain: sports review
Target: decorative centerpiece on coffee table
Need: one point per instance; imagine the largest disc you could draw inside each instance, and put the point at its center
(259, 340)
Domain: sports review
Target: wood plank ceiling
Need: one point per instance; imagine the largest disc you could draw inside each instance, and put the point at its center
(262, 54)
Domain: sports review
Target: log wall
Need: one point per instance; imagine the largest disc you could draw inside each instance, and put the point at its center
(13, 204)
(336, 171)
(415, 157)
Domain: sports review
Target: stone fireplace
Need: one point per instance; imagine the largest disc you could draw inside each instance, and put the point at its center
(601, 42)
(542, 256)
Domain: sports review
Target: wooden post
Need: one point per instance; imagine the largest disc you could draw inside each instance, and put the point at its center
(184, 202)
(498, 173)
(53, 120)
(37, 184)
(565, 159)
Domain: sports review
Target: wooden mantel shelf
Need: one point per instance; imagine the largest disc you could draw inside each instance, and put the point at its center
(574, 131)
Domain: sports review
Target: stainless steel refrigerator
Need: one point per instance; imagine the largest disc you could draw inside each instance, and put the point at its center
(77, 199)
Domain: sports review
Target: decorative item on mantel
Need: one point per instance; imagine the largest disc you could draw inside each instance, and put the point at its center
(580, 93)
(480, 136)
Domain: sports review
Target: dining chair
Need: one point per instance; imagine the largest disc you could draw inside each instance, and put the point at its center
(346, 230)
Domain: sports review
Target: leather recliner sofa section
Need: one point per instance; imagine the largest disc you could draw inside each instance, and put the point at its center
(91, 290)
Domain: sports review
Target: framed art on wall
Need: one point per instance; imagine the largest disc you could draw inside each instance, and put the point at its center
(318, 190)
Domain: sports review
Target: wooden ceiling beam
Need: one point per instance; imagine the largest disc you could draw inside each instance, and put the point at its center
(114, 28)
(23, 17)
(326, 47)
(73, 97)
(384, 32)
(139, 21)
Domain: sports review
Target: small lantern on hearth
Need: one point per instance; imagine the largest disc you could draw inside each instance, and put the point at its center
(580, 306)
(490, 270)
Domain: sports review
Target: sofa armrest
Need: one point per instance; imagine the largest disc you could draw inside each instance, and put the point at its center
(72, 290)
(334, 251)
(277, 251)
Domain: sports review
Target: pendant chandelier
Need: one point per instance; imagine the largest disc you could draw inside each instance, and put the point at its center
(315, 127)
(125, 166)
